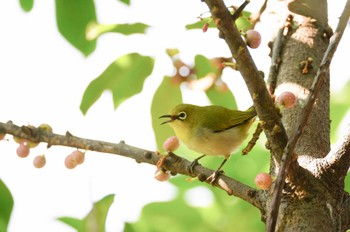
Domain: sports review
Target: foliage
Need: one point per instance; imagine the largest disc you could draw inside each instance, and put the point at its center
(6, 202)
(124, 78)
(78, 24)
(95, 220)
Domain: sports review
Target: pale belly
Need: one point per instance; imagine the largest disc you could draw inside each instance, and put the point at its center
(217, 144)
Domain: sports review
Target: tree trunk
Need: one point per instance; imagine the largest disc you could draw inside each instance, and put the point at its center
(310, 200)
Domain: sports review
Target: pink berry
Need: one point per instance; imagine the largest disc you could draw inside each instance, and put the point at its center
(69, 162)
(171, 144)
(2, 136)
(263, 181)
(252, 38)
(160, 175)
(205, 27)
(39, 161)
(286, 99)
(23, 150)
(78, 156)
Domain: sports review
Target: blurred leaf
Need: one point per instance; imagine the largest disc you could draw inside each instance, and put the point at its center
(242, 23)
(6, 203)
(203, 66)
(27, 5)
(124, 78)
(94, 30)
(222, 98)
(73, 222)
(338, 108)
(166, 97)
(126, 2)
(72, 20)
(96, 218)
(172, 216)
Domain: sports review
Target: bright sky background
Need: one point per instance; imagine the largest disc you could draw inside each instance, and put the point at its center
(42, 79)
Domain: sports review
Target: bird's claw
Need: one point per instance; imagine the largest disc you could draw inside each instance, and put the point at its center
(213, 177)
(193, 164)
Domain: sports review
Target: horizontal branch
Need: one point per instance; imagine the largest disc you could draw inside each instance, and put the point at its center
(171, 162)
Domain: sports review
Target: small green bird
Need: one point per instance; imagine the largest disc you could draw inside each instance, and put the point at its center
(210, 130)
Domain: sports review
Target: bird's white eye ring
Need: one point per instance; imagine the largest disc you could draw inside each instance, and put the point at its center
(182, 115)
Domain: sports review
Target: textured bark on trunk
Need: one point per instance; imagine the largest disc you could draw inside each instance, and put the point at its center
(309, 202)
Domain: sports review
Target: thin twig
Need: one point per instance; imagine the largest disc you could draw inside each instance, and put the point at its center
(256, 17)
(276, 57)
(239, 10)
(171, 162)
(316, 87)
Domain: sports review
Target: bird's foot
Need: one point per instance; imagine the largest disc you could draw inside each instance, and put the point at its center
(213, 177)
(194, 163)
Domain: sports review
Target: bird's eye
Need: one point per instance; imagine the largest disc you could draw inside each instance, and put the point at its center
(182, 115)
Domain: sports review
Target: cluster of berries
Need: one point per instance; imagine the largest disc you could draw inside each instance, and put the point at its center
(71, 161)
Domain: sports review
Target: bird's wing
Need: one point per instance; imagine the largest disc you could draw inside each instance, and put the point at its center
(228, 118)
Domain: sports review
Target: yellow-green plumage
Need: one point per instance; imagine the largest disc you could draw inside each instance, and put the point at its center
(211, 130)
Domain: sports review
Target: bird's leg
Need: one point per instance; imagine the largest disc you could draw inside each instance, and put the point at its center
(213, 177)
(194, 163)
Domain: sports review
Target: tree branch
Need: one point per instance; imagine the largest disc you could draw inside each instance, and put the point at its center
(316, 86)
(336, 164)
(171, 162)
(276, 57)
(256, 16)
(263, 103)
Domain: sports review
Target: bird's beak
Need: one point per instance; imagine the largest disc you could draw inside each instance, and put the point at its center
(172, 118)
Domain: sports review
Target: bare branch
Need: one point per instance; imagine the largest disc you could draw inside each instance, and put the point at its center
(256, 17)
(275, 57)
(171, 162)
(316, 86)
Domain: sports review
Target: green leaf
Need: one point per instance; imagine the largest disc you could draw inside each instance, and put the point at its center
(95, 220)
(242, 23)
(27, 5)
(73, 222)
(166, 97)
(338, 108)
(95, 30)
(6, 203)
(124, 78)
(73, 18)
(126, 2)
(223, 98)
(203, 66)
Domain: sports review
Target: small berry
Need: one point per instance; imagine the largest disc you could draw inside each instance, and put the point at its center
(23, 150)
(78, 156)
(286, 99)
(160, 175)
(263, 181)
(39, 161)
(2, 136)
(205, 27)
(69, 162)
(252, 38)
(171, 144)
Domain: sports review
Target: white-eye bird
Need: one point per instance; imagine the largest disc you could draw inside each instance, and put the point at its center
(210, 130)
